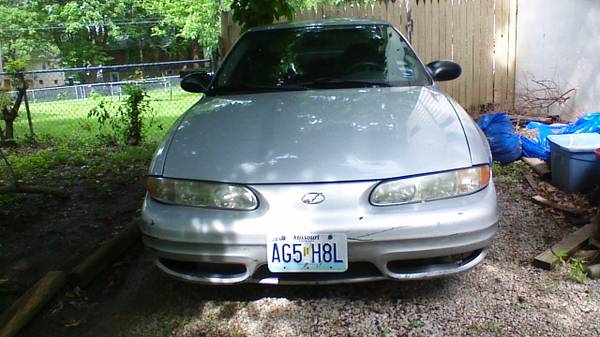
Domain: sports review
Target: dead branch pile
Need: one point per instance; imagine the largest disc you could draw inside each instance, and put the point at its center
(537, 97)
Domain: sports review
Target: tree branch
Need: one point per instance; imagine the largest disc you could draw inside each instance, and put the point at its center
(34, 189)
(538, 96)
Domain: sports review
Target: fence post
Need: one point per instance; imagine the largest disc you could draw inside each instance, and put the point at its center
(31, 134)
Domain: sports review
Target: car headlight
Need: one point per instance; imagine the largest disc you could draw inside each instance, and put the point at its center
(202, 194)
(431, 186)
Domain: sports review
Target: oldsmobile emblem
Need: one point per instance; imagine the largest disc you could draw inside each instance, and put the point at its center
(313, 198)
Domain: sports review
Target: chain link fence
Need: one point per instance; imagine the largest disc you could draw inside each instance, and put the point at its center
(60, 100)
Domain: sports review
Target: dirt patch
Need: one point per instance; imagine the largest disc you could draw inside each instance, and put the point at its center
(41, 233)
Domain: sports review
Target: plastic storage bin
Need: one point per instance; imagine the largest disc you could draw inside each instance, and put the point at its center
(573, 161)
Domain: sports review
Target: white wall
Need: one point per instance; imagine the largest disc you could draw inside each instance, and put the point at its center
(560, 40)
(48, 80)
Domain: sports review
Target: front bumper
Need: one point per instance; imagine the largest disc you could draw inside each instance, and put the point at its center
(405, 242)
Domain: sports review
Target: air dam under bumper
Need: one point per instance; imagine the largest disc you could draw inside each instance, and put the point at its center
(416, 241)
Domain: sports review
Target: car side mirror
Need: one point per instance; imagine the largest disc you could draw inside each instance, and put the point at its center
(196, 82)
(444, 70)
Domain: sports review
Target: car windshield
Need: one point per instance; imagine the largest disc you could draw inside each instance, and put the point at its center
(320, 57)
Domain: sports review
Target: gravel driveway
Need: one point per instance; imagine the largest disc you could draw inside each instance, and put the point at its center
(503, 296)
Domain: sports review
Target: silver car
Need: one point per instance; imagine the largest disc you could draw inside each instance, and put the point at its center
(321, 152)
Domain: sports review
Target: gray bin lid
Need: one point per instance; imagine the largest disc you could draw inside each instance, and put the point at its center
(577, 142)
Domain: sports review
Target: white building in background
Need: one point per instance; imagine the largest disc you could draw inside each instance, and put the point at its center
(559, 40)
(38, 81)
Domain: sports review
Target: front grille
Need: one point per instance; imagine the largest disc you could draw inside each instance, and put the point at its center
(204, 269)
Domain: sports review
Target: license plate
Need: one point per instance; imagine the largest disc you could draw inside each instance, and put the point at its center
(292, 253)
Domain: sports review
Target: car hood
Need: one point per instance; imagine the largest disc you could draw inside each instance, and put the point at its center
(317, 136)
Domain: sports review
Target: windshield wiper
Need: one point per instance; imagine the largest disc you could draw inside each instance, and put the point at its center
(342, 83)
(242, 88)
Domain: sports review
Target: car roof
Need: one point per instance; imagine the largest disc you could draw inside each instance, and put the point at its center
(319, 23)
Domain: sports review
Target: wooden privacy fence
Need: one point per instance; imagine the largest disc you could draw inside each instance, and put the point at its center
(478, 34)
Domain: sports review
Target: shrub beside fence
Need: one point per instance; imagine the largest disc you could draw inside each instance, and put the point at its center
(61, 112)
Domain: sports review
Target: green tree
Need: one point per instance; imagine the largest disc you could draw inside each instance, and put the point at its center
(124, 121)
(195, 22)
(19, 39)
(84, 30)
(252, 13)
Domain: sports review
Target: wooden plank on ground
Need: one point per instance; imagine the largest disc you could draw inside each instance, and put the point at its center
(545, 202)
(530, 180)
(539, 166)
(566, 247)
(87, 270)
(28, 305)
(587, 256)
(525, 119)
(593, 271)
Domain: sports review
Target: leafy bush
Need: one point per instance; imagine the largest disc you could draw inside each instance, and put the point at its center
(123, 122)
(137, 105)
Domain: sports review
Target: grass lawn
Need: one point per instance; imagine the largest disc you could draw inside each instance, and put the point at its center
(67, 119)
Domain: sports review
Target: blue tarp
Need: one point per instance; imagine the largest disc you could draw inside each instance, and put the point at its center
(504, 141)
(535, 136)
